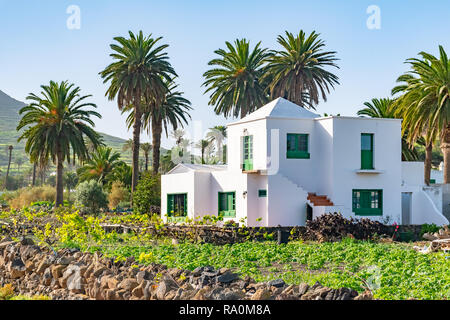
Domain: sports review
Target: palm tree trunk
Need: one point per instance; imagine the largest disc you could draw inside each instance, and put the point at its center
(445, 147)
(59, 178)
(427, 165)
(146, 161)
(136, 144)
(156, 140)
(9, 164)
(34, 175)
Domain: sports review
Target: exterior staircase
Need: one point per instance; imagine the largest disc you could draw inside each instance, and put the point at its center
(318, 201)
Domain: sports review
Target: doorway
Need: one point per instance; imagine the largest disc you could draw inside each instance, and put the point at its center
(309, 213)
(406, 208)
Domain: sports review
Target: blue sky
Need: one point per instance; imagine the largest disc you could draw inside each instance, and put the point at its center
(36, 46)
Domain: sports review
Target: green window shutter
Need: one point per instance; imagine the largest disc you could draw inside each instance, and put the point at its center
(297, 146)
(367, 202)
(170, 204)
(262, 193)
(367, 151)
(248, 153)
(227, 204)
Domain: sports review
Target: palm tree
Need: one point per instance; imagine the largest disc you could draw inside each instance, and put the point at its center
(33, 183)
(218, 134)
(172, 111)
(235, 79)
(10, 149)
(100, 166)
(19, 162)
(137, 74)
(128, 145)
(122, 173)
(178, 135)
(384, 108)
(166, 162)
(146, 148)
(203, 145)
(57, 123)
(425, 102)
(298, 73)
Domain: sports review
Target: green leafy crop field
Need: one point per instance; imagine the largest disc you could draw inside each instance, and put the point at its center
(392, 271)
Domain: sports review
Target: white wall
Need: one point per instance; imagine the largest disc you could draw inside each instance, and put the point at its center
(287, 202)
(412, 173)
(257, 129)
(178, 183)
(256, 206)
(300, 171)
(423, 209)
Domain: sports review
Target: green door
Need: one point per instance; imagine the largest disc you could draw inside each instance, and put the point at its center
(366, 151)
(248, 153)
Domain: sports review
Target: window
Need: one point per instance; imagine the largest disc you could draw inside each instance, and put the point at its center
(262, 193)
(367, 151)
(367, 202)
(177, 205)
(297, 146)
(227, 204)
(248, 153)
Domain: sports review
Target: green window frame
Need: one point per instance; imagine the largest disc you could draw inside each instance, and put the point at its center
(177, 205)
(248, 153)
(367, 202)
(262, 193)
(367, 151)
(227, 204)
(297, 146)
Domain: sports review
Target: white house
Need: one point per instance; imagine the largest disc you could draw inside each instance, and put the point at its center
(287, 164)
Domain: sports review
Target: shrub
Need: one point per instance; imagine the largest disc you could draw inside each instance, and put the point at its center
(428, 228)
(119, 193)
(25, 196)
(147, 194)
(90, 194)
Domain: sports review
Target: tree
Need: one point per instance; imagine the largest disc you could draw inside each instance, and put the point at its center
(90, 194)
(218, 134)
(146, 148)
(203, 145)
(166, 162)
(235, 79)
(137, 74)
(148, 194)
(56, 124)
(33, 183)
(178, 135)
(100, 166)
(19, 162)
(425, 103)
(173, 111)
(128, 145)
(298, 73)
(384, 108)
(123, 173)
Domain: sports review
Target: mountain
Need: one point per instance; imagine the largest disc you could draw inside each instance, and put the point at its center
(9, 118)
